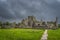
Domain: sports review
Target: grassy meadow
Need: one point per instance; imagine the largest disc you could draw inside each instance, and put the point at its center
(20, 34)
(54, 34)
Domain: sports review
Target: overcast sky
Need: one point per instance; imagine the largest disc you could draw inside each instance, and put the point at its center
(15, 10)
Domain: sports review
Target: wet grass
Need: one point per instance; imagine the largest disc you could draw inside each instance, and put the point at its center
(54, 34)
(20, 34)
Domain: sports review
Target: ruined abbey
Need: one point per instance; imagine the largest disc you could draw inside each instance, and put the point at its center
(31, 22)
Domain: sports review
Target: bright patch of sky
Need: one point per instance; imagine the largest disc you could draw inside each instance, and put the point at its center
(58, 0)
(23, 12)
(3, 0)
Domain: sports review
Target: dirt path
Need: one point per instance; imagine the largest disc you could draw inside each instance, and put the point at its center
(44, 36)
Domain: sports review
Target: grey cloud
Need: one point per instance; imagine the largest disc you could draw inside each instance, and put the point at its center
(4, 13)
(19, 9)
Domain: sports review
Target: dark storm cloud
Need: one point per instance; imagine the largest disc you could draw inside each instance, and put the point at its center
(18, 9)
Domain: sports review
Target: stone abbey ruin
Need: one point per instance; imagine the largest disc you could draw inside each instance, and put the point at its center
(31, 22)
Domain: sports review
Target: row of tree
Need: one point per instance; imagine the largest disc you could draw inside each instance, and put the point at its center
(5, 24)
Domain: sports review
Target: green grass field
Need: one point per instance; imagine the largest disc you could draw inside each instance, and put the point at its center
(20, 34)
(54, 34)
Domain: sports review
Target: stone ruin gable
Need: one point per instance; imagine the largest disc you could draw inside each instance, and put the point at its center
(31, 18)
(31, 21)
(28, 22)
(24, 23)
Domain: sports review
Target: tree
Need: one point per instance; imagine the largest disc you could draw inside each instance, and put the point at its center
(0, 24)
(59, 25)
(7, 23)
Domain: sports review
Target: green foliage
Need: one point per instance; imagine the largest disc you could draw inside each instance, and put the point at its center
(7, 23)
(59, 25)
(0, 23)
(20, 34)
